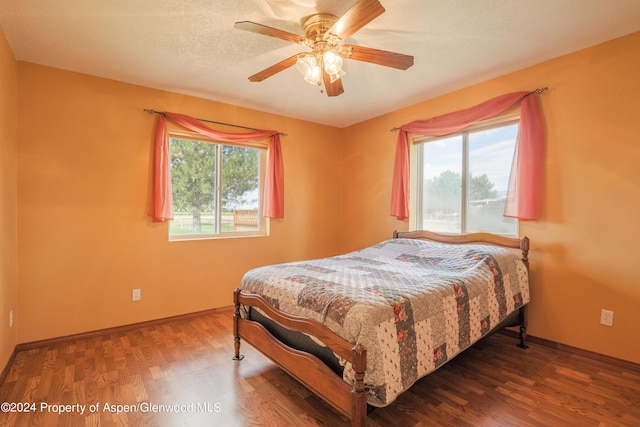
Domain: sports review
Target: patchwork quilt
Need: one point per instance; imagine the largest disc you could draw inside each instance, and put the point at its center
(413, 304)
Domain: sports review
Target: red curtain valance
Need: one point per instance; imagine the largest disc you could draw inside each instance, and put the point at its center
(523, 194)
(162, 196)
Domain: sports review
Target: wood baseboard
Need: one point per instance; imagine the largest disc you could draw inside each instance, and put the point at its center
(575, 350)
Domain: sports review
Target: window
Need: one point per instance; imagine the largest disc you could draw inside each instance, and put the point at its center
(461, 180)
(217, 188)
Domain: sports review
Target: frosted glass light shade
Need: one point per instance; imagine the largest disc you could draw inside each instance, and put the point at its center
(308, 66)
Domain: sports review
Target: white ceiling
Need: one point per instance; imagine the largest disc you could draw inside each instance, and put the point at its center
(191, 47)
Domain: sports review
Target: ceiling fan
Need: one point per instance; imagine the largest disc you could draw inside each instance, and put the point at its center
(324, 34)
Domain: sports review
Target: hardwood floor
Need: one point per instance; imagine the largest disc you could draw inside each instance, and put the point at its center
(185, 364)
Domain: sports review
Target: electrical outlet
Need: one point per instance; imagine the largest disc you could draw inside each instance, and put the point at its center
(606, 317)
(11, 318)
(136, 295)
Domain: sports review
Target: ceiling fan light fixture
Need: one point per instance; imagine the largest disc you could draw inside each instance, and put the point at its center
(308, 66)
(314, 77)
(332, 63)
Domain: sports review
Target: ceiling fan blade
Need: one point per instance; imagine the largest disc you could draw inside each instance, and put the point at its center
(360, 14)
(268, 31)
(276, 68)
(377, 56)
(332, 89)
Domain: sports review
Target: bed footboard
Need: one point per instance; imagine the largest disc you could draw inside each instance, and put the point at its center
(350, 400)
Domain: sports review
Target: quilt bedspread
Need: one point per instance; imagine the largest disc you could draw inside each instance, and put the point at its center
(413, 304)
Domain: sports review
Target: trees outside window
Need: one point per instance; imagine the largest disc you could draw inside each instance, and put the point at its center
(216, 188)
(462, 181)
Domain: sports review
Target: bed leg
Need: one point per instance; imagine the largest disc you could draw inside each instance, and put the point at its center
(236, 319)
(522, 320)
(359, 397)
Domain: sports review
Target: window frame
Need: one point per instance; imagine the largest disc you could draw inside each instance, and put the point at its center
(263, 222)
(416, 170)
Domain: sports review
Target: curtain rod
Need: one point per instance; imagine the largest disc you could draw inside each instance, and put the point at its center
(147, 110)
(533, 92)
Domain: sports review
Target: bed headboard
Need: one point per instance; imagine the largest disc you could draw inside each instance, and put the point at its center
(486, 238)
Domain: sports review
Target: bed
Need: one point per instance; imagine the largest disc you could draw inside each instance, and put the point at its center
(360, 328)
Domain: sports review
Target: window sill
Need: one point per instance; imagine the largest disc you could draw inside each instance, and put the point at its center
(190, 237)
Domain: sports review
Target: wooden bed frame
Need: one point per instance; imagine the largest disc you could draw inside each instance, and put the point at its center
(349, 400)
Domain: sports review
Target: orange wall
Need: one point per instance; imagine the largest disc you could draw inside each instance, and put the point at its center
(8, 198)
(85, 241)
(584, 248)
